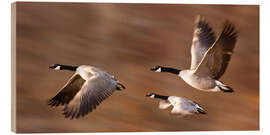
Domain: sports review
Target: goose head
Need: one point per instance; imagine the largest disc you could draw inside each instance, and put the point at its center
(156, 69)
(63, 67)
(55, 66)
(151, 95)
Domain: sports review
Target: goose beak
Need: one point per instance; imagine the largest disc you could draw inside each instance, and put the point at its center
(55, 66)
(148, 95)
(153, 69)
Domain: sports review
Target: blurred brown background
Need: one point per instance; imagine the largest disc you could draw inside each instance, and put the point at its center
(126, 40)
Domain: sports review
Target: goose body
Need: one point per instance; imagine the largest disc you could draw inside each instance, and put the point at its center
(84, 91)
(181, 105)
(201, 83)
(209, 57)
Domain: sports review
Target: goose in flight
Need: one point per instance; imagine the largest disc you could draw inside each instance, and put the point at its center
(181, 105)
(84, 91)
(209, 57)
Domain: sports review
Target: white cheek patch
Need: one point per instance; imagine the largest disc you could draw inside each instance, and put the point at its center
(152, 96)
(57, 68)
(158, 70)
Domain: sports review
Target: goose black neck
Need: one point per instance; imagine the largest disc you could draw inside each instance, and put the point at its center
(161, 97)
(170, 70)
(66, 67)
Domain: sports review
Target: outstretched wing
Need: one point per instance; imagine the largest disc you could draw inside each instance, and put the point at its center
(93, 92)
(203, 39)
(67, 93)
(217, 58)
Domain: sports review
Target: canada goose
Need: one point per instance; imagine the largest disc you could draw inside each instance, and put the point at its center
(180, 105)
(210, 57)
(84, 91)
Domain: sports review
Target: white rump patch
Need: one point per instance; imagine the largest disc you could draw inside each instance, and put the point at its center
(225, 88)
(152, 96)
(197, 106)
(219, 83)
(215, 89)
(158, 70)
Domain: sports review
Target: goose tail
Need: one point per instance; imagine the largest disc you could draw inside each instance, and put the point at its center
(200, 109)
(120, 86)
(224, 87)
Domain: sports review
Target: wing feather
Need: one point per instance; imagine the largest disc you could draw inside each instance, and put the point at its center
(217, 58)
(67, 93)
(203, 39)
(93, 92)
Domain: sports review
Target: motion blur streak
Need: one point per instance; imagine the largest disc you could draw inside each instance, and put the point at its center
(126, 40)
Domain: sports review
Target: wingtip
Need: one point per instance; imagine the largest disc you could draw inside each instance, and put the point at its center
(229, 29)
(201, 111)
(228, 25)
(51, 103)
(199, 18)
(229, 91)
